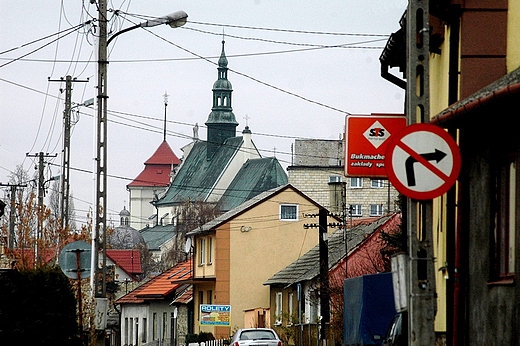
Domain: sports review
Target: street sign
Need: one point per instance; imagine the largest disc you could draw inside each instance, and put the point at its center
(366, 141)
(215, 315)
(422, 161)
(74, 260)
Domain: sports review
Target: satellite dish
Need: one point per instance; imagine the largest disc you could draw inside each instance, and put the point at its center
(187, 247)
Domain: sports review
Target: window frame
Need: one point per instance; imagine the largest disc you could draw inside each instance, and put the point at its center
(356, 210)
(379, 183)
(202, 251)
(284, 205)
(378, 211)
(278, 308)
(504, 225)
(359, 183)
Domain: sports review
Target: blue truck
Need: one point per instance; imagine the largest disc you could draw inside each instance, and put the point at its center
(368, 309)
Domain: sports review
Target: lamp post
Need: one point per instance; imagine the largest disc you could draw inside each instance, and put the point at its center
(176, 19)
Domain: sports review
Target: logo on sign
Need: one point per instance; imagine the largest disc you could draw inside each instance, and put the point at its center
(376, 134)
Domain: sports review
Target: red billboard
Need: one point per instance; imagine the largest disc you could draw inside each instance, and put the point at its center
(366, 141)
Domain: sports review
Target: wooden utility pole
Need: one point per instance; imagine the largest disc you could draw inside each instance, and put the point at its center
(12, 212)
(41, 194)
(418, 215)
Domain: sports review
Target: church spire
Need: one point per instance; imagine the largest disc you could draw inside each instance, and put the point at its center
(221, 122)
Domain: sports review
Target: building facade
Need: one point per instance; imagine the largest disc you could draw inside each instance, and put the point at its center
(318, 171)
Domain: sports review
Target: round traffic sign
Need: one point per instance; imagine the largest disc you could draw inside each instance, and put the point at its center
(75, 259)
(422, 161)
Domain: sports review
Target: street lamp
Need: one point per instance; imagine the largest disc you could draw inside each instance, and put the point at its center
(175, 20)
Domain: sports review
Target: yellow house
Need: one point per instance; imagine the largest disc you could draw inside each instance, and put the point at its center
(238, 251)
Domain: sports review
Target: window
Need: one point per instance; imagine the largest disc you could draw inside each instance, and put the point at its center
(278, 308)
(291, 302)
(154, 326)
(288, 212)
(210, 250)
(164, 325)
(210, 297)
(202, 251)
(505, 221)
(131, 332)
(335, 179)
(126, 330)
(144, 328)
(376, 209)
(377, 183)
(355, 210)
(356, 183)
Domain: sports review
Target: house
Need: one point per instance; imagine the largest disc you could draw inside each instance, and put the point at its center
(127, 268)
(223, 163)
(474, 91)
(294, 290)
(317, 169)
(238, 251)
(159, 311)
(159, 239)
(150, 184)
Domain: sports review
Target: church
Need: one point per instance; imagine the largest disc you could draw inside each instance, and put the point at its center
(223, 171)
(226, 169)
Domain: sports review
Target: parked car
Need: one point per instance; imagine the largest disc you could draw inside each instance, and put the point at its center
(396, 334)
(256, 337)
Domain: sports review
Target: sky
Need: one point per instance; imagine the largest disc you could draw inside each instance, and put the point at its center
(297, 69)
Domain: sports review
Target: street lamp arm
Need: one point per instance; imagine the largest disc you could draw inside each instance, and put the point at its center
(175, 20)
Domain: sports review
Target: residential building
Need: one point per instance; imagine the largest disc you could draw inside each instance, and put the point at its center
(238, 251)
(294, 290)
(224, 164)
(150, 184)
(318, 170)
(474, 90)
(159, 311)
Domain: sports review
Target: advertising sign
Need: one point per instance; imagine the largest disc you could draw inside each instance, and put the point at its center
(366, 140)
(215, 315)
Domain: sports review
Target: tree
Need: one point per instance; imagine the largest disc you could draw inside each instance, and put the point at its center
(193, 215)
(38, 307)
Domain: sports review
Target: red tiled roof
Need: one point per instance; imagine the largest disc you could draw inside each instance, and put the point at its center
(128, 260)
(157, 168)
(164, 155)
(160, 286)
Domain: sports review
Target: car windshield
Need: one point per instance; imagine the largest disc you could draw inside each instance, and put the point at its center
(257, 335)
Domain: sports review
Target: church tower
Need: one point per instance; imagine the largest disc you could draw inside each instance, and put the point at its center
(221, 122)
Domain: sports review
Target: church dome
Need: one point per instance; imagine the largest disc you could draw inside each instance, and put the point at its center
(124, 236)
(222, 84)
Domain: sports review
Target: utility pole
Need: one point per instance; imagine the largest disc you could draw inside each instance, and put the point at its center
(65, 167)
(12, 213)
(418, 217)
(41, 194)
(324, 269)
(99, 238)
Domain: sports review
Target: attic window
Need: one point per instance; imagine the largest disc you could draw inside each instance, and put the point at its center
(288, 212)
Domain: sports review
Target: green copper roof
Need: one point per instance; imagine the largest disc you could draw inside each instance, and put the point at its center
(197, 174)
(255, 176)
(157, 235)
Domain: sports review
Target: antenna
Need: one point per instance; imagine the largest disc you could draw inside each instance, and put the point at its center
(165, 106)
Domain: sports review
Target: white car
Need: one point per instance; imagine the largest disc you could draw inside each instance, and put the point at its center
(255, 337)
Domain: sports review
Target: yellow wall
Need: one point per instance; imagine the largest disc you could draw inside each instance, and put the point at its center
(267, 248)
(513, 35)
(248, 250)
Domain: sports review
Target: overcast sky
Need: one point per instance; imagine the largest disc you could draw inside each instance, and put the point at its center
(297, 67)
